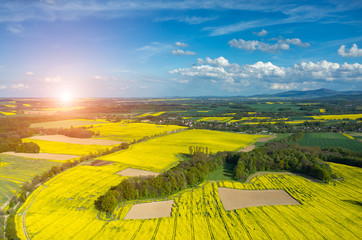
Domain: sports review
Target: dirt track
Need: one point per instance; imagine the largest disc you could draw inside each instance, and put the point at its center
(247, 148)
(150, 210)
(132, 172)
(82, 141)
(266, 139)
(235, 198)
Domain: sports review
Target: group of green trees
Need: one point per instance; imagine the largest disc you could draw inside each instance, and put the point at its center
(187, 173)
(280, 156)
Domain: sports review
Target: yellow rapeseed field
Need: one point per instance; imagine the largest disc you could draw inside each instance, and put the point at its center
(151, 114)
(338, 117)
(66, 148)
(127, 132)
(8, 113)
(322, 110)
(160, 153)
(63, 209)
(347, 135)
(217, 119)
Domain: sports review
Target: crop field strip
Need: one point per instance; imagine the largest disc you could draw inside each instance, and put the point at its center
(325, 140)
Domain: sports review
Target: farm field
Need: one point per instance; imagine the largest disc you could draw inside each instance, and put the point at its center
(72, 140)
(127, 132)
(62, 209)
(45, 156)
(338, 117)
(324, 140)
(66, 148)
(17, 170)
(67, 123)
(159, 153)
(275, 107)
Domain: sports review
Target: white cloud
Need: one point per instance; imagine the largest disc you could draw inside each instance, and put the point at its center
(294, 41)
(15, 28)
(220, 61)
(56, 79)
(30, 74)
(19, 86)
(266, 74)
(352, 52)
(180, 52)
(103, 78)
(261, 33)
(3, 87)
(181, 44)
(186, 19)
(281, 44)
(253, 45)
(283, 86)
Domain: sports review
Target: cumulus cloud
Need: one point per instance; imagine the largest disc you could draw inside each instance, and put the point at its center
(30, 74)
(19, 86)
(352, 52)
(266, 74)
(253, 45)
(3, 87)
(261, 33)
(181, 44)
(294, 41)
(56, 79)
(281, 44)
(180, 52)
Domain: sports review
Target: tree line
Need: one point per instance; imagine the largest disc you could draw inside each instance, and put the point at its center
(186, 174)
(277, 155)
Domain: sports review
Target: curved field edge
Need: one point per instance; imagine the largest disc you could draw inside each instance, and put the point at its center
(159, 153)
(327, 211)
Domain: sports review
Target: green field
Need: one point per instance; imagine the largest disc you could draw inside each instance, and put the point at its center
(18, 170)
(225, 172)
(273, 107)
(325, 140)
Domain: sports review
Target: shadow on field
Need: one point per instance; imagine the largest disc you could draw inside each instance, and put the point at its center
(358, 203)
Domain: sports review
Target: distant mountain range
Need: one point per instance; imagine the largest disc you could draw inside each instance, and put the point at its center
(312, 94)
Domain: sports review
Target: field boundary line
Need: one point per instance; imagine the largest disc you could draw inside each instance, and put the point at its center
(26, 210)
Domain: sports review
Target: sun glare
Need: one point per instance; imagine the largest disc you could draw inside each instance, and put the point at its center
(66, 98)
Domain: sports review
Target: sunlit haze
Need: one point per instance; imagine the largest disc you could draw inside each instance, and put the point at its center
(178, 48)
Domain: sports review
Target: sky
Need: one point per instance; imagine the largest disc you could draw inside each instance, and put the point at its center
(100, 48)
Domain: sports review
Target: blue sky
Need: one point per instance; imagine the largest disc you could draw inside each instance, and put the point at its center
(182, 48)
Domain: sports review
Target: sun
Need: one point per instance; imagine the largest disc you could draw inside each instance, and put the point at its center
(66, 97)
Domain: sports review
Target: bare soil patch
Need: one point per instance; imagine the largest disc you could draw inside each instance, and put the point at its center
(150, 210)
(132, 172)
(48, 156)
(98, 163)
(236, 198)
(247, 148)
(266, 139)
(82, 141)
